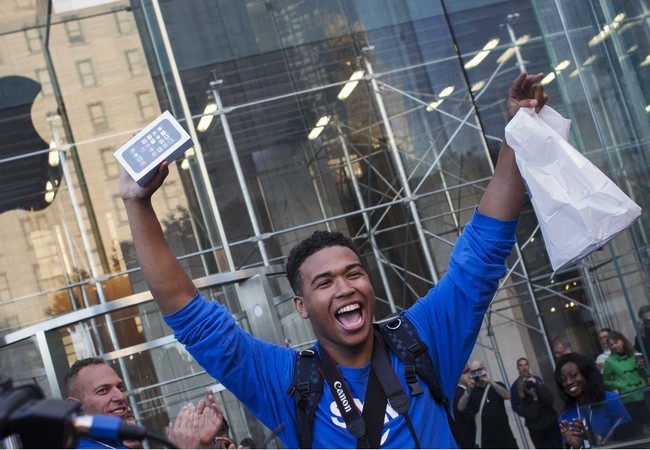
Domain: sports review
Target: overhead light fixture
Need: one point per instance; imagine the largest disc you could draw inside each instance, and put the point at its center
(559, 68)
(607, 30)
(189, 153)
(320, 125)
(548, 78)
(480, 56)
(563, 65)
(433, 105)
(627, 26)
(350, 85)
(53, 158)
(446, 92)
(49, 192)
(589, 60)
(208, 115)
(477, 86)
(510, 52)
(646, 61)
(647, 108)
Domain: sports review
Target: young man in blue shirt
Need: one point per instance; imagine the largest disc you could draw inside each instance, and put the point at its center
(333, 291)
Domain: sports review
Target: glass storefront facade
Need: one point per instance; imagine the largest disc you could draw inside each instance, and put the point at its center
(378, 119)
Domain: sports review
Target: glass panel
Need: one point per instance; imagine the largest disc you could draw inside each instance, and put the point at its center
(22, 364)
(620, 422)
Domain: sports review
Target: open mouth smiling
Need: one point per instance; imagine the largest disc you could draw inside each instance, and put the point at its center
(119, 411)
(350, 316)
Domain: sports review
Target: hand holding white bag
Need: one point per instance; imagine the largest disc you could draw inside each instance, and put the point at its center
(578, 208)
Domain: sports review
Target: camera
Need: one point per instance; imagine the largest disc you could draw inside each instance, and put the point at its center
(476, 374)
(529, 384)
(24, 409)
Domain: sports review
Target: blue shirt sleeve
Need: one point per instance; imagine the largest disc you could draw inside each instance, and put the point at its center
(258, 373)
(449, 317)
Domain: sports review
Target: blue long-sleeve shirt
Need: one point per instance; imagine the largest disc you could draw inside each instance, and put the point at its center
(448, 319)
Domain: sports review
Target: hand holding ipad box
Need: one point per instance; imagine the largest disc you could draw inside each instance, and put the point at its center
(162, 140)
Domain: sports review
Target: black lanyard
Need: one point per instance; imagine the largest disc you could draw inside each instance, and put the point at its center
(382, 384)
(366, 427)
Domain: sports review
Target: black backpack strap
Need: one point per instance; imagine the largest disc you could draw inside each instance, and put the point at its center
(306, 389)
(402, 338)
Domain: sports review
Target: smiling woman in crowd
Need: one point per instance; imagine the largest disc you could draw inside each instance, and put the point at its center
(592, 415)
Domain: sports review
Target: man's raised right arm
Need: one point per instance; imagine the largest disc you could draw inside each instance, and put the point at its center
(170, 286)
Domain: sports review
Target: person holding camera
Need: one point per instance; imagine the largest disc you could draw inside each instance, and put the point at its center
(487, 401)
(464, 415)
(532, 400)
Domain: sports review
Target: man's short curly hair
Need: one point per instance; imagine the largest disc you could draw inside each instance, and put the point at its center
(317, 241)
(70, 382)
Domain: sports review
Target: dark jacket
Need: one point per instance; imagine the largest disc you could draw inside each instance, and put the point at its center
(538, 414)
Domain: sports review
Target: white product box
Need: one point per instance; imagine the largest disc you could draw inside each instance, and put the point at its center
(162, 140)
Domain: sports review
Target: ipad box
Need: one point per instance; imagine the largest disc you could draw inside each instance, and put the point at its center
(162, 140)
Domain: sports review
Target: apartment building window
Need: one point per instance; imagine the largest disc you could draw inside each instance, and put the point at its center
(74, 31)
(147, 105)
(123, 22)
(98, 117)
(135, 61)
(111, 166)
(33, 39)
(43, 77)
(86, 73)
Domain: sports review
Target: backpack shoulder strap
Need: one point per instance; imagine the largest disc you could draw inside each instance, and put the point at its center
(403, 339)
(305, 390)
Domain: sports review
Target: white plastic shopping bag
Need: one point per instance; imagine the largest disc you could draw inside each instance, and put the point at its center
(578, 208)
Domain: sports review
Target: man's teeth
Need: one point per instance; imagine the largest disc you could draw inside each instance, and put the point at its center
(348, 308)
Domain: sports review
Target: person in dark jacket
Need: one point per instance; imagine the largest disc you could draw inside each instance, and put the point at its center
(533, 401)
(464, 415)
(487, 401)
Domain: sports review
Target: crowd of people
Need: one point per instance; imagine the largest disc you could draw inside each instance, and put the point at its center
(353, 366)
(604, 398)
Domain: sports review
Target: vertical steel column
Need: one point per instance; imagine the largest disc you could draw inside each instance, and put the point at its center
(511, 33)
(48, 364)
(256, 298)
(198, 152)
(533, 299)
(397, 160)
(315, 179)
(240, 174)
(504, 377)
(366, 220)
(93, 270)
